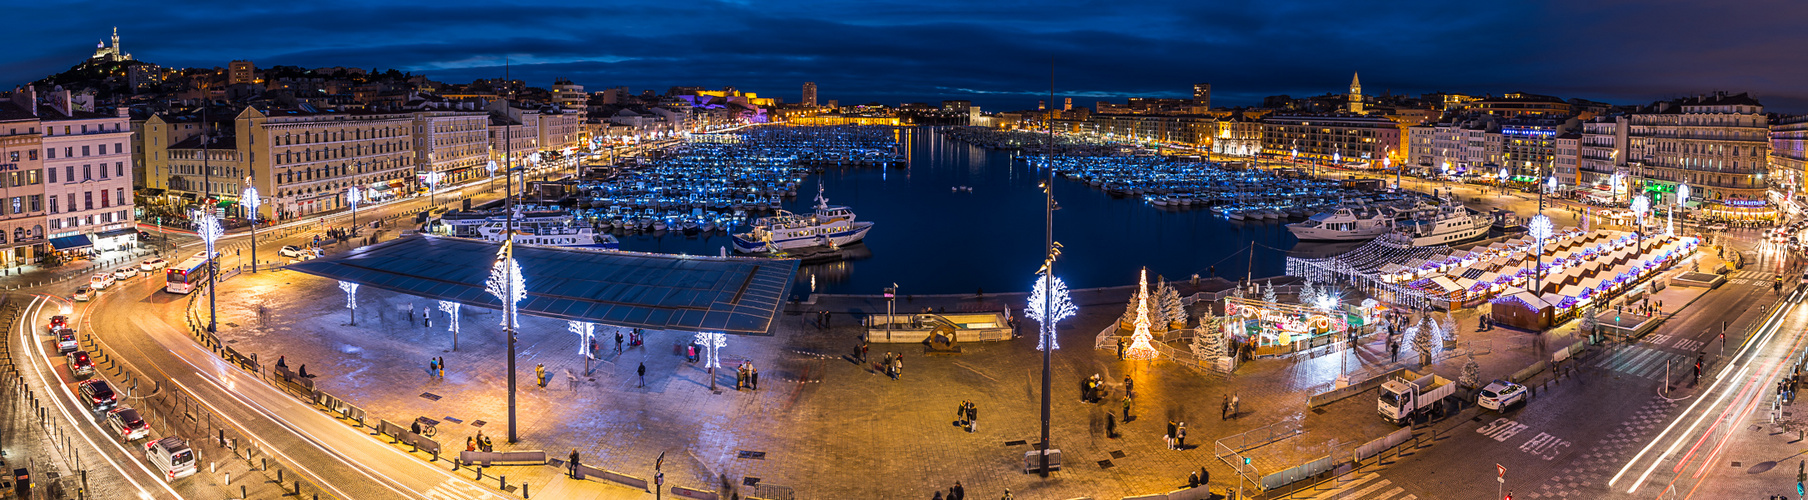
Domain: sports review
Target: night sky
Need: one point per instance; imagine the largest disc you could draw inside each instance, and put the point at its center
(994, 52)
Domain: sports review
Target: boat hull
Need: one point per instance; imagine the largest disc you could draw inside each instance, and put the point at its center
(744, 242)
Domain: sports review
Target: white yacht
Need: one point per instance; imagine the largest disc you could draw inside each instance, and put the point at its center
(532, 227)
(829, 226)
(1345, 224)
(1448, 223)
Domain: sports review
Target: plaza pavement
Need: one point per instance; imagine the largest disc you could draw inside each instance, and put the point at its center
(828, 427)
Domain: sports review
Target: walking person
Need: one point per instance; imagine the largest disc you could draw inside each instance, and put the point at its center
(960, 414)
(540, 375)
(618, 341)
(1224, 411)
(753, 376)
(1126, 408)
(642, 371)
(1110, 425)
(897, 369)
(1168, 438)
(426, 316)
(442, 367)
(1180, 437)
(574, 463)
(972, 418)
(432, 367)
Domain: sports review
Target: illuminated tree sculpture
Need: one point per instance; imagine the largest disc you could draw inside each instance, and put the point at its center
(506, 284)
(1541, 230)
(712, 342)
(1139, 338)
(250, 201)
(585, 331)
(451, 309)
(351, 299)
(1049, 304)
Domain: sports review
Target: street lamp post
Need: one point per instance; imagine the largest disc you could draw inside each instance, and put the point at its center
(1540, 228)
(250, 201)
(208, 228)
(352, 197)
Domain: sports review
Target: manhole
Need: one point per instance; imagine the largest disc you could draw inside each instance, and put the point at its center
(512, 488)
(1318, 411)
(556, 463)
(1476, 418)
(430, 396)
(1118, 454)
(1737, 464)
(1019, 442)
(478, 423)
(454, 420)
(1105, 464)
(752, 455)
(750, 481)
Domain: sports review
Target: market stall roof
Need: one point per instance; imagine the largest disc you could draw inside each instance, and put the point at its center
(669, 292)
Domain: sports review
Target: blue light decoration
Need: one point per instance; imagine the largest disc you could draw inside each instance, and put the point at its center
(1039, 308)
(506, 284)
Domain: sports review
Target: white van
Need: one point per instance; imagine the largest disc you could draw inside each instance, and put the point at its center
(172, 456)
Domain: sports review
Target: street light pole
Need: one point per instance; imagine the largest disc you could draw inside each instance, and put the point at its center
(250, 201)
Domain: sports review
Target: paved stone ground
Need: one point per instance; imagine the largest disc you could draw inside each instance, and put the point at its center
(826, 424)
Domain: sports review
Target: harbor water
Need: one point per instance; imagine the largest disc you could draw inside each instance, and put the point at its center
(931, 238)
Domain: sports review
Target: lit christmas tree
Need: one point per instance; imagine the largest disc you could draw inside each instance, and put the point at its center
(1048, 287)
(1139, 338)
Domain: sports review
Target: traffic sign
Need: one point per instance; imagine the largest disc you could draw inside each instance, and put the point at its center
(1503, 470)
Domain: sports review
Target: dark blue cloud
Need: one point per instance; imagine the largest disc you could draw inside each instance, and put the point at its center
(997, 53)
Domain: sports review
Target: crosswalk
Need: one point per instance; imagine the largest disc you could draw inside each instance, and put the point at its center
(1645, 362)
(454, 489)
(1751, 277)
(1368, 486)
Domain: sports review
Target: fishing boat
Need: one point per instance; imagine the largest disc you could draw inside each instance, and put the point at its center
(829, 226)
(531, 227)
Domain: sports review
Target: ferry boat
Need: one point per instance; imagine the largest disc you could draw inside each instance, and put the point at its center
(532, 227)
(1449, 223)
(1345, 224)
(830, 226)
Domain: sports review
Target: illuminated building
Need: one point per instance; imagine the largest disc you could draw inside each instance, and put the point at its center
(809, 97)
(1716, 143)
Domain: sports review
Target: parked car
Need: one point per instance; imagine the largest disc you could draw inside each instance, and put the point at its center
(98, 395)
(66, 341)
(172, 456)
(101, 281)
(58, 322)
(153, 265)
(128, 424)
(83, 293)
(125, 273)
(1501, 394)
(80, 363)
(290, 251)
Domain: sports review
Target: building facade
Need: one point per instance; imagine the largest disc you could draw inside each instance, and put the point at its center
(451, 140)
(1350, 138)
(809, 96)
(87, 182)
(1789, 156)
(1718, 144)
(22, 228)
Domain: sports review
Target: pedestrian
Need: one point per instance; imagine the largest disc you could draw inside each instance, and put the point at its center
(959, 492)
(1110, 425)
(938, 495)
(1126, 408)
(753, 376)
(1168, 438)
(1120, 348)
(618, 341)
(897, 370)
(1192, 480)
(410, 313)
(1205, 477)
(282, 362)
(1180, 437)
(863, 347)
(432, 367)
(643, 374)
(1224, 411)
(972, 418)
(1129, 386)
(470, 443)
(415, 427)
(426, 316)
(540, 375)
(1007, 495)
(574, 463)
(740, 376)
(828, 319)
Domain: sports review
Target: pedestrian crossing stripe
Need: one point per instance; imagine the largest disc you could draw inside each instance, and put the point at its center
(1372, 487)
(1643, 363)
(1689, 345)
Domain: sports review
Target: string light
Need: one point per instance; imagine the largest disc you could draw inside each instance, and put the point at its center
(1045, 288)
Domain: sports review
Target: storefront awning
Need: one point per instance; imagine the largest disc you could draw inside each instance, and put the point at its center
(71, 242)
(116, 233)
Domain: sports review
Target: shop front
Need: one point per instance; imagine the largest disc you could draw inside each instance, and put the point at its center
(116, 237)
(71, 246)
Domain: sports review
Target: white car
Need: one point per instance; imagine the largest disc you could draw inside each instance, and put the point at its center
(125, 273)
(153, 265)
(101, 281)
(1501, 394)
(290, 251)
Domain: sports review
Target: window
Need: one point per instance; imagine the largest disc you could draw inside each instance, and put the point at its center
(54, 208)
(103, 171)
(87, 172)
(31, 177)
(117, 149)
(35, 202)
(87, 200)
(119, 169)
(34, 154)
(72, 206)
(105, 201)
(120, 194)
(50, 152)
(15, 156)
(18, 204)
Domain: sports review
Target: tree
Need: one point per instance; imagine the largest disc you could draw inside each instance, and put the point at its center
(1172, 308)
(1423, 337)
(1209, 343)
(1308, 293)
(1268, 291)
(1472, 373)
(1447, 329)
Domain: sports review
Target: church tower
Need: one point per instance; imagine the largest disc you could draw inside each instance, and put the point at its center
(1356, 94)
